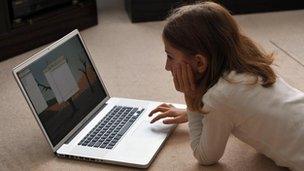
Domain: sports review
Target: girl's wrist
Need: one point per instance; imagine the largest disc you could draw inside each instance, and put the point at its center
(192, 113)
(190, 109)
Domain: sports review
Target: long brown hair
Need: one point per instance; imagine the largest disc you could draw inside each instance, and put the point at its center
(208, 29)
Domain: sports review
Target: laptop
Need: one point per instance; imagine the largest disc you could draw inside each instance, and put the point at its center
(76, 113)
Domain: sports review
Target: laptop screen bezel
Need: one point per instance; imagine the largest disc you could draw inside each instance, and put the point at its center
(39, 55)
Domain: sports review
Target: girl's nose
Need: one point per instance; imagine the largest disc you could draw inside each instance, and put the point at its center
(167, 67)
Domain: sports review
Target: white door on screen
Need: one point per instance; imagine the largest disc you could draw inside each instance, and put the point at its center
(61, 80)
(34, 92)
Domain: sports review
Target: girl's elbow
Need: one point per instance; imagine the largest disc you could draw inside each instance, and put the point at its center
(207, 159)
(206, 162)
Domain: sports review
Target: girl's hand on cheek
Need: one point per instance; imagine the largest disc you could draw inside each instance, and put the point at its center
(183, 78)
(184, 82)
(188, 78)
(175, 78)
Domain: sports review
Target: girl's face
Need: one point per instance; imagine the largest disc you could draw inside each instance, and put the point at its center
(176, 57)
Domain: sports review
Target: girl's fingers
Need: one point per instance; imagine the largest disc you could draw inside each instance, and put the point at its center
(176, 84)
(164, 105)
(163, 115)
(185, 78)
(191, 77)
(179, 77)
(158, 109)
(176, 120)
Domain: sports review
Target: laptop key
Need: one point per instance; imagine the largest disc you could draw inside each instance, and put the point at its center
(125, 128)
(103, 146)
(91, 144)
(114, 141)
(139, 112)
(97, 144)
(109, 147)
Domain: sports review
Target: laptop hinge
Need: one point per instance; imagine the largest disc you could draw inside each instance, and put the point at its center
(84, 124)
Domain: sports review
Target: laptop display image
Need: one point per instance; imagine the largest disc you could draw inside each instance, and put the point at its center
(63, 88)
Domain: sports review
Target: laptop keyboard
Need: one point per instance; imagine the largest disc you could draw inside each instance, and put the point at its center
(111, 128)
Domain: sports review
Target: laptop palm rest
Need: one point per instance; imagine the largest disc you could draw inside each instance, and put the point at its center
(139, 149)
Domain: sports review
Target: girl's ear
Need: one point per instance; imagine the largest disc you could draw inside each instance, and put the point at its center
(201, 63)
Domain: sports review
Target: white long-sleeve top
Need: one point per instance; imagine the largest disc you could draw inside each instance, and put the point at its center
(271, 120)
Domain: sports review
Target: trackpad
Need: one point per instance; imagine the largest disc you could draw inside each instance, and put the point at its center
(158, 129)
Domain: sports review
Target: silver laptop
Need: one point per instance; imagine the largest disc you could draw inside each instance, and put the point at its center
(76, 114)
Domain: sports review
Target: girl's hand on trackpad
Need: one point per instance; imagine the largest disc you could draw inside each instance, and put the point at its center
(171, 114)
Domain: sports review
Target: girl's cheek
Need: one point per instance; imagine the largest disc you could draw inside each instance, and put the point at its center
(173, 66)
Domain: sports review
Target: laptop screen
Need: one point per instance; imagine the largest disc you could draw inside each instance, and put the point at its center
(63, 87)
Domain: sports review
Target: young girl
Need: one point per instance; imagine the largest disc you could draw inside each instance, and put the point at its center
(229, 87)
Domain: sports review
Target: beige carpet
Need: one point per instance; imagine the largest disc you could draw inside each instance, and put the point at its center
(131, 59)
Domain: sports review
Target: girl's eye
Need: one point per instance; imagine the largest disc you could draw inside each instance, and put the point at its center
(169, 57)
